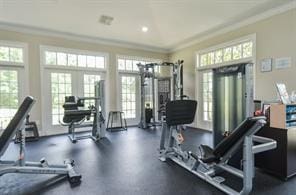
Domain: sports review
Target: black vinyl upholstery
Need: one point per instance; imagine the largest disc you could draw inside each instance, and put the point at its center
(72, 113)
(241, 131)
(15, 123)
(213, 155)
(180, 112)
(207, 155)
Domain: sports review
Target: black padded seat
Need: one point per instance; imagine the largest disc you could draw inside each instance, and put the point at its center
(180, 112)
(15, 123)
(207, 155)
(75, 115)
(210, 155)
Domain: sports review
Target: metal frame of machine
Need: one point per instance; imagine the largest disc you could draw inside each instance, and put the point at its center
(148, 71)
(170, 148)
(243, 70)
(97, 111)
(23, 166)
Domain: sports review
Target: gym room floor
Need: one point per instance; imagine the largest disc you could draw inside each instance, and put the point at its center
(125, 163)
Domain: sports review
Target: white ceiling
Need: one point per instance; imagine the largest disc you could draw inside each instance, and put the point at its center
(169, 21)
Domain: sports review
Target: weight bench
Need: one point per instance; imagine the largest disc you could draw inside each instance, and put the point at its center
(21, 165)
(211, 161)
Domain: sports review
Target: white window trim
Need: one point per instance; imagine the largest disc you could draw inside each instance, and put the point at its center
(252, 38)
(24, 85)
(44, 48)
(43, 67)
(234, 42)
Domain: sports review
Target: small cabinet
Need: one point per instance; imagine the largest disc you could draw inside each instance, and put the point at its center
(283, 116)
(280, 161)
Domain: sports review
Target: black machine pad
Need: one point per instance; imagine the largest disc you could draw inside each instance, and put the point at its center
(180, 112)
(210, 155)
(207, 155)
(15, 123)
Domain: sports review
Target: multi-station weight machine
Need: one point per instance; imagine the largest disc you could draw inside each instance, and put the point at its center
(76, 116)
(164, 87)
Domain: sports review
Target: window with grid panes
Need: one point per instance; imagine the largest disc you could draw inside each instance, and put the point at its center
(61, 86)
(227, 54)
(129, 64)
(55, 58)
(207, 96)
(89, 87)
(9, 95)
(128, 96)
(9, 81)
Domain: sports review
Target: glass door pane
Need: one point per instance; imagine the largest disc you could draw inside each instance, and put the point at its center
(89, 87)
(61, 86)
(9, 96)
(128, 96)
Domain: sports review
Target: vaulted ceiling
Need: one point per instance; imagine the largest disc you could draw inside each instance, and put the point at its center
(169, 22)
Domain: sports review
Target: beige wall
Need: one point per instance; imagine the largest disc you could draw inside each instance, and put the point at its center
(276, 37)
(34, 42)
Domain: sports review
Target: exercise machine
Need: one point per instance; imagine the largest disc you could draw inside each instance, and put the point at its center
(76, 116)
(165, 85)
(21, 165)
(232, 101)
(30, 127)
(210, 162)
(231, 83)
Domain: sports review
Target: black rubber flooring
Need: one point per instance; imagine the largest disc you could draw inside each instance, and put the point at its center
(125, 163)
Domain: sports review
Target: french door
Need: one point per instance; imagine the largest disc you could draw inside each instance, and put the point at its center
(129, 98)
(60, 83)
(204, 89)
(12, 92)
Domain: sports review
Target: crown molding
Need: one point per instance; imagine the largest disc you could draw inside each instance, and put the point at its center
(76, 37)
(219, 31)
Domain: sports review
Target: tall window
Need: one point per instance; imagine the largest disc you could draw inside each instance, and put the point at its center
(68, 72)
(8, 96)
(128, 95)
(12, 66)
(61, 86)
(207, 95)
(129, 79)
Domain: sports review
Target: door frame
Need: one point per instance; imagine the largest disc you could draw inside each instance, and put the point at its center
(77, 84)
(43, 68)
(252, 60)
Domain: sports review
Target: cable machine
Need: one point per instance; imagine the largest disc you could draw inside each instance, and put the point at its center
(165, 86)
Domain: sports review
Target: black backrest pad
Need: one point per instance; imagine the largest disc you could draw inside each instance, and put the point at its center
(241, 131)
(179, 112)
(15, 123)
